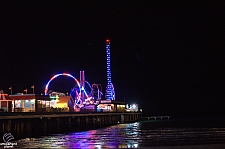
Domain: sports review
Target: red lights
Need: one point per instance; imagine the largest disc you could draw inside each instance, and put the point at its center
(107, 40)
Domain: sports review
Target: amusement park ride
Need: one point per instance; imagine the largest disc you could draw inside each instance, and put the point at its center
(79, 95)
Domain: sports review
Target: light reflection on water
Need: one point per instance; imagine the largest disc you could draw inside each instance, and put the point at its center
(133, 135)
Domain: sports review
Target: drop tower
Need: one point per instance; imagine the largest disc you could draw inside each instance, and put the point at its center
(110, 93)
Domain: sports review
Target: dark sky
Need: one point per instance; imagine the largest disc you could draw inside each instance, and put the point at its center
(166, 56)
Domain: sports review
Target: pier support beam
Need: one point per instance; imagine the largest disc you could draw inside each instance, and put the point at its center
(22, 127)
(28, 127)
(58, 124)
(69, 123)
(9, 126)
(78, 122)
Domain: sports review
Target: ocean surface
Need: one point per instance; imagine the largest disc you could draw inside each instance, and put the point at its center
(145, 134)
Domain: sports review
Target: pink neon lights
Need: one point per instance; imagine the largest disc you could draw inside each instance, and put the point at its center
(80, 88)
(60, 74)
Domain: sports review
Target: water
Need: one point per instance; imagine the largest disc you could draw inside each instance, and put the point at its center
(134, 135)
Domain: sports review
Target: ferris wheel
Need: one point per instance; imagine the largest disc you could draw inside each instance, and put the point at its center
(76, 92)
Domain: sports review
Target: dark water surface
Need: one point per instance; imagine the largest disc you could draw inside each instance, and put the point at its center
(147, 134)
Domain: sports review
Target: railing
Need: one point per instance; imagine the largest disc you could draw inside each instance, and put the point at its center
(18, 109)
(155, 117)
(66, 109)
(56, 110)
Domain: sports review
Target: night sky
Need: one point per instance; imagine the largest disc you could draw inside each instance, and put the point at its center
(168, 57)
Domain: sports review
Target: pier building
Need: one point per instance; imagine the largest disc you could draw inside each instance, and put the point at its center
(30, 102)
(5, 102)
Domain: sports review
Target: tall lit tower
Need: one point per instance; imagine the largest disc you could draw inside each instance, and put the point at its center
(110, 93)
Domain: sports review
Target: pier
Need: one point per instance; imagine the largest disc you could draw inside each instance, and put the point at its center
(155, 117)
(31, 115)
(23, 125)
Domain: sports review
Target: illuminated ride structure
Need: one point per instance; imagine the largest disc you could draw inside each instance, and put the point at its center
(79, 95)
(110, 92)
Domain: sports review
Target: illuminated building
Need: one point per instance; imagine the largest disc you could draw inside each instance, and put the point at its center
(132, 108)
(110, 93)
(111, 106)
(5, 102)
(59, 100)
(30, 102)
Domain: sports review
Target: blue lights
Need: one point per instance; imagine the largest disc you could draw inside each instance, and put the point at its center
(110, 93)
